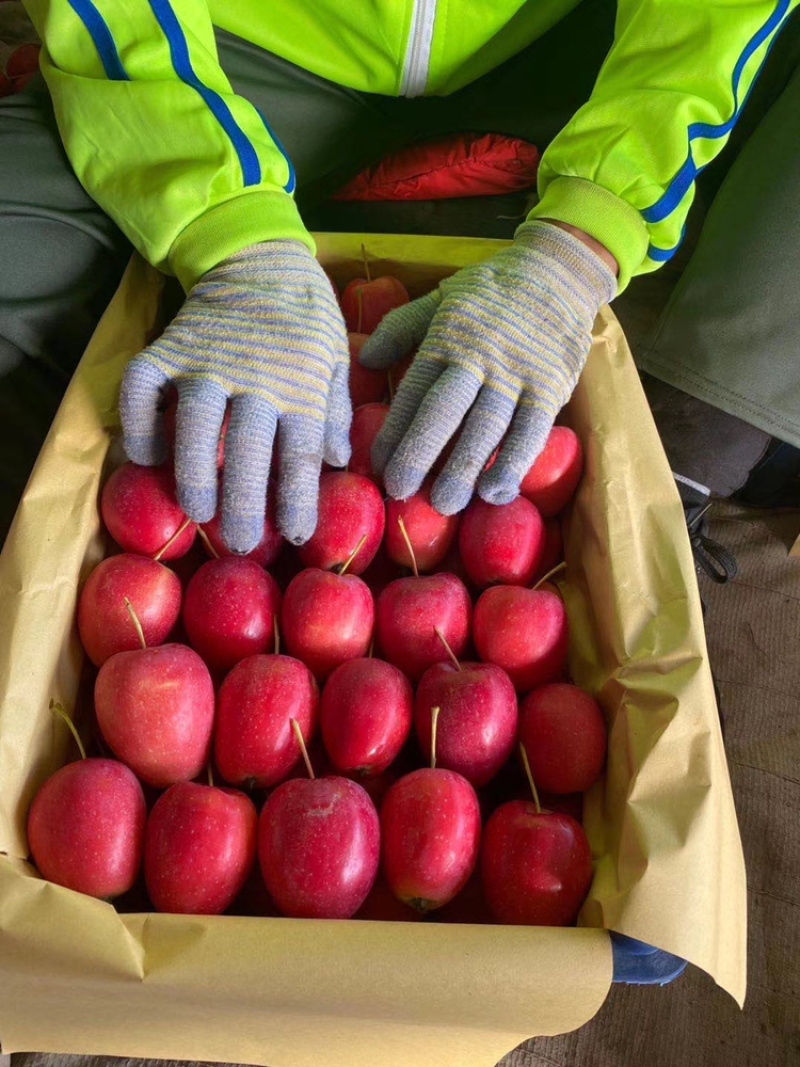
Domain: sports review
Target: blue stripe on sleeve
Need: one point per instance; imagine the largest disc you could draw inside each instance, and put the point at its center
(103, 41)
(292, 182)
(689, 171)
(179, 50)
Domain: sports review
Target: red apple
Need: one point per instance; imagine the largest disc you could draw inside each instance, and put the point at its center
(409, 612)
(536, 866)
(327, 619)
(364, 303)
(86, 828)
(501, 544)
(367, 386)
(170, 424)
(551, 482)
(142, 514)
(230, 610)
(254, 742)
(477, 721)
(266, 551)
(469, 906)
(367, 423)
(430, 833)
(553, 552)
(564, 734)
(155, 708)
(105, 623)
(200, 846)
(524, 631)
(319, 847)
(365, 716)
(430, 533)
(350, 508)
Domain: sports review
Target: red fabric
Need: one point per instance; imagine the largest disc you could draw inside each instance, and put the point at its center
(462, 165)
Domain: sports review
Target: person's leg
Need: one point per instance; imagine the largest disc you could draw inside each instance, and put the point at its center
(60, 261)
(329, 132)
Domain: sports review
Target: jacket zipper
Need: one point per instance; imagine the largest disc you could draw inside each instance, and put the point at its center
(418, 52)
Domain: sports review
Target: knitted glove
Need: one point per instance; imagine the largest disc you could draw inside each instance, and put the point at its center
(502, 344)
(264, 330)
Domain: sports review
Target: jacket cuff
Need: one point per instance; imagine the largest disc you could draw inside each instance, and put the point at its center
(603, 215)
(246, 219)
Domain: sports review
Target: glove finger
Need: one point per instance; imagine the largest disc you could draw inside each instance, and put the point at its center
(399, 332)
(483, 431)
(142, 425)
(198, 423)
(413, 389)
(338, 418)
(248, 455)
(300, 444)
(526, 439)
(439, 416)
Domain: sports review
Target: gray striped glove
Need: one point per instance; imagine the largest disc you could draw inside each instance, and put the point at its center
(502, 344)
(264, 330)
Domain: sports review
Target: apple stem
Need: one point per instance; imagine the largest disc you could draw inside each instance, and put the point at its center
(371, 649)
(529, 776)
(59, 710)
(409, 546)
(360, 302)
(352, 555)
(277, 634)
(299, 735)
(554, 570)
(434, 721)
(135, 620)
(172, 539)
(207, 542)
(210, 774)
(450, 652)
(366, 264)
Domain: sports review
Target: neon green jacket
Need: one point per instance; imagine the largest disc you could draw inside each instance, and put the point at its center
(191, 172)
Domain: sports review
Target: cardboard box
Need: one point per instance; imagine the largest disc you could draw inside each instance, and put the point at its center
(76, 976)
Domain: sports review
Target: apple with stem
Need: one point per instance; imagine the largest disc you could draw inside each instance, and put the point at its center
(350, 513)
(429, 533)
(200, 845)
(365, 716)
(328, 618)
(524, 631)
(318, 845)
(116, 587)
(366, 300)
(563, 730)
(86, 824)
(142, 514)
(266, 551)
(477, 720)
(409, 612)
(536, 866)
(155, 710)
(430, 832)
(230, 610)
(254, 743)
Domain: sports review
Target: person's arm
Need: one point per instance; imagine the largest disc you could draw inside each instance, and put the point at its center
(666, 99)
(188, 170)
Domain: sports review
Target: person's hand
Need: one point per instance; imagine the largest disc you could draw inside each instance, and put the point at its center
(501, 344)
(263, 330)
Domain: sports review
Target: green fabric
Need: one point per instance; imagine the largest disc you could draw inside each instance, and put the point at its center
(150, 151)
(730, 334)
